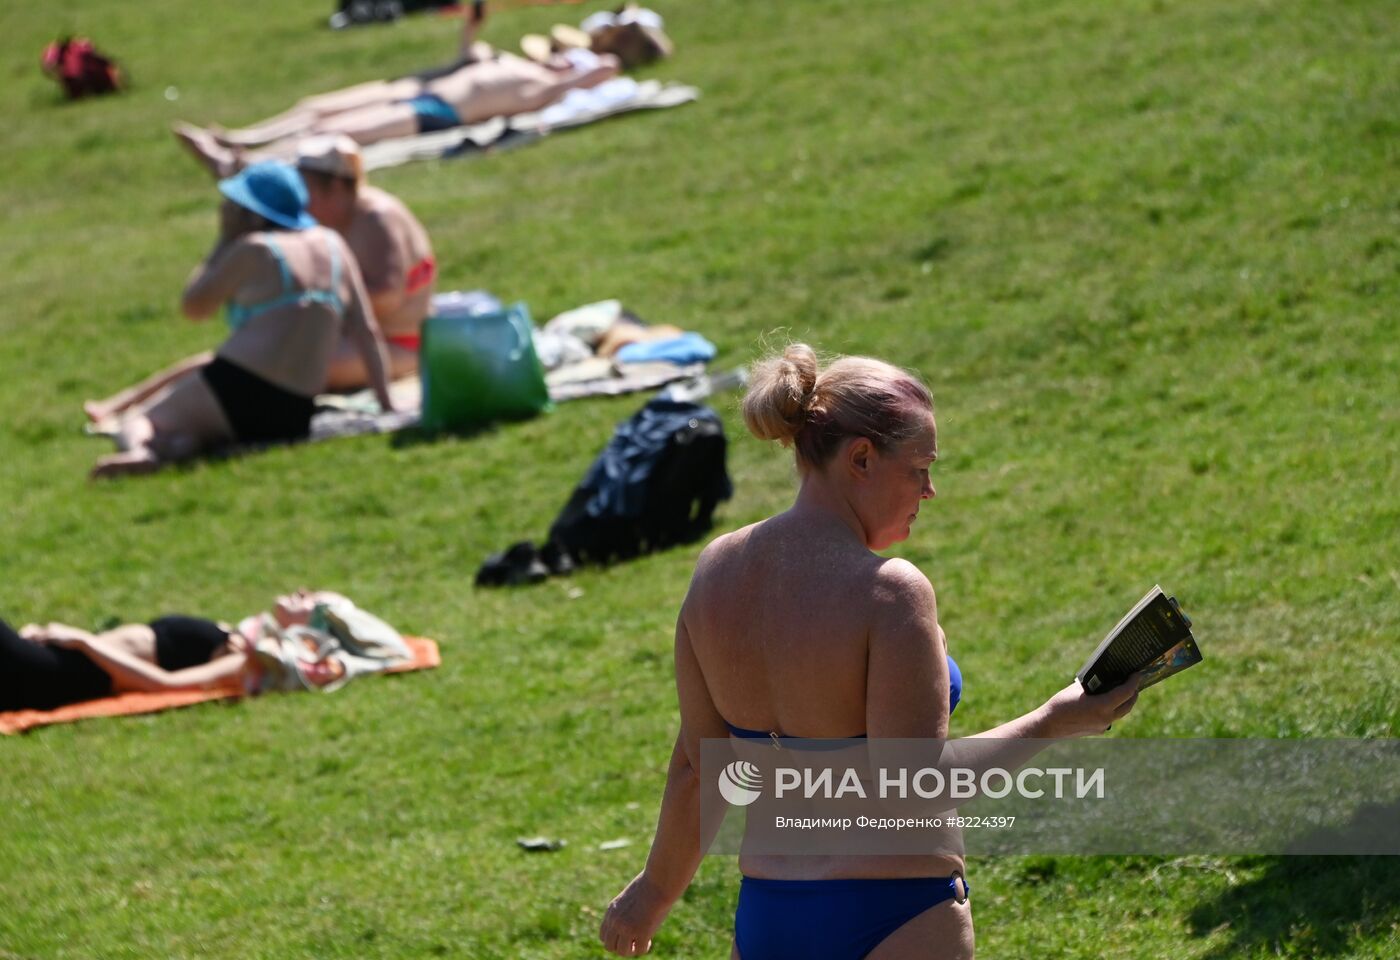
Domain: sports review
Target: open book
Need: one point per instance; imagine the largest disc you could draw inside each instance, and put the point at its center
(1155, 637)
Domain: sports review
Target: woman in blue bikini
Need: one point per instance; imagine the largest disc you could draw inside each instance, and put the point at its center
(289, 288)
(796, 627)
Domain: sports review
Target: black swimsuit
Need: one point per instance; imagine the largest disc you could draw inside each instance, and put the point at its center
(39, 676)
(258, 411)
(186, 641)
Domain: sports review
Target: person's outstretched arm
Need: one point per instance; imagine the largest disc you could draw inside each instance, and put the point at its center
(133, 673)
(907, 687)
(364, 330)
(636, 913)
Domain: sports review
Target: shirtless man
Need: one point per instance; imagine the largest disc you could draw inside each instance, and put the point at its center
(391, 246)
(481, 85)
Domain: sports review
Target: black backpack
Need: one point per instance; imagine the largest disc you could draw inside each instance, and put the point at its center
(656, 484)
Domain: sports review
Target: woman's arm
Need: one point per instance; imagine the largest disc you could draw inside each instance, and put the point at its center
(214, 282)
(907, 675)
(907, 689)
(364, 329)
(133, 673)
(682, 836)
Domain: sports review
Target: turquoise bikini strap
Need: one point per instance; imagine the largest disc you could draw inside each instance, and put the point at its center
(281, 264)
(335, 268)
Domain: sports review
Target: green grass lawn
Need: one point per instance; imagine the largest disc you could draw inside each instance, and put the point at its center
(1146, 252)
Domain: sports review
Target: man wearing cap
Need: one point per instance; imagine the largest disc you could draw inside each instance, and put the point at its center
(391, 246)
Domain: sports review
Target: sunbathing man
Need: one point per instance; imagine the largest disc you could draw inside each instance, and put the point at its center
(396, 263)
(482, 85)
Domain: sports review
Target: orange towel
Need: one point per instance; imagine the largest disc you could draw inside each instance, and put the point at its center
(425, 657)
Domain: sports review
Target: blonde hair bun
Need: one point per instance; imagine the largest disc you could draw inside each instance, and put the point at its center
(780, 393)
(795, 402)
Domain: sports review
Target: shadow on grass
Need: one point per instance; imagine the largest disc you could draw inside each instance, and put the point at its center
(1314, 906)
(406, 438)
(417, 436)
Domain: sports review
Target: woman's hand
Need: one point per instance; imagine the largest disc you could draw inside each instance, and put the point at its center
(57, 635)
(633, 918)
(1074, 713)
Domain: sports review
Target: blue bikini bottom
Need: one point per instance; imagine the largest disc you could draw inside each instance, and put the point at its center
(433, 113)
(831, 919)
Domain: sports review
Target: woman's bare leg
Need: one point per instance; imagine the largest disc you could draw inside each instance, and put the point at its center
(174, 425)
(943, 932)
(308, 111)
(99, 410)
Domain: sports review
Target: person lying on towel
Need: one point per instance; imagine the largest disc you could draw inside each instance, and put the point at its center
(390, 246)
(44, 666)
(291, 290)
(481, 85)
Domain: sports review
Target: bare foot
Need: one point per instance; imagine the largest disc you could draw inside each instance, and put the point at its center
(227, 138)
(121, 464)
(97, 411)
(218, 159)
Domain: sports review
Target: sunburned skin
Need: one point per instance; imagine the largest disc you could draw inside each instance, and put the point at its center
(387, 241)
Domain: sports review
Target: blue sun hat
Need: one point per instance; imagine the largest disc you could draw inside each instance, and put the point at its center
(273, 190)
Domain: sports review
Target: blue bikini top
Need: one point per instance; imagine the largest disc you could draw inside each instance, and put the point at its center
(238, 314)
(955, 685)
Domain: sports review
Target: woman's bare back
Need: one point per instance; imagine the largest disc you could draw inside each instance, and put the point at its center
(778, 616)
(291, 345)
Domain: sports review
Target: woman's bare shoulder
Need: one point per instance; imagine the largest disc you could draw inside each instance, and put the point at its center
(897, 577)
(725, 547)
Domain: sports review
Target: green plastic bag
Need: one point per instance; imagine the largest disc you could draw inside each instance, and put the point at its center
(477, 369)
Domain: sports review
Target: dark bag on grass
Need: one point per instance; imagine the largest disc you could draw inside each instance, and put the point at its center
(655, 484)
(83, 72)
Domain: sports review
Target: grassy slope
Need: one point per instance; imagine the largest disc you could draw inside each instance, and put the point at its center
(1145, 253)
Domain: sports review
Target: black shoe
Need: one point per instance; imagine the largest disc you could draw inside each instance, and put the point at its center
(523, 564)
(557, 559)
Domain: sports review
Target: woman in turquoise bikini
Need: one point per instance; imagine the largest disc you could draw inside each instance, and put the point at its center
(795, 627)
(290, 287)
